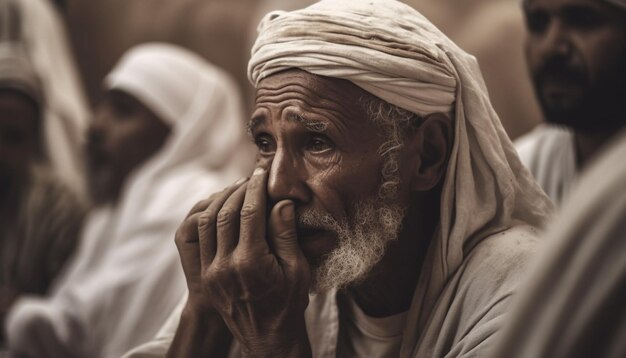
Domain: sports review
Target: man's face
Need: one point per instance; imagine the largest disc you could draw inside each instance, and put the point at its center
(576, 50)
(322, 151)
(122, 135)
(19, 135)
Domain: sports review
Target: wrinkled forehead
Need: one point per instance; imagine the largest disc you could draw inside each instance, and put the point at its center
(325, 93)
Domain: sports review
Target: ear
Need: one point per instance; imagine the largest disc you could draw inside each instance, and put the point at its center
(432, 143)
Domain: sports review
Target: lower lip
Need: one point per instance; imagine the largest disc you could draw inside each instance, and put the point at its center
(316, 243)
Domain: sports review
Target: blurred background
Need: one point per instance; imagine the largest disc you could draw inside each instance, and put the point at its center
(223, 31)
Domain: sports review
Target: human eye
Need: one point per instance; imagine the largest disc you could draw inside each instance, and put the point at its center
(320, 144)
(122, 108)
(265, 143)
(537, 21)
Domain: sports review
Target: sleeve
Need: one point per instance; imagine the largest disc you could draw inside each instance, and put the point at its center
(120, 303)
(160, 344)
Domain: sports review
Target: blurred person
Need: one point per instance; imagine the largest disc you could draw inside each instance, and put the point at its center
(573, 303)
(41, 32)
(40, 216)
(168, 132)
(576, 51)
(493, 31)
(385, 186)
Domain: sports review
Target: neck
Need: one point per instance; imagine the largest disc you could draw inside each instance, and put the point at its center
(588, 144)
(390, 286)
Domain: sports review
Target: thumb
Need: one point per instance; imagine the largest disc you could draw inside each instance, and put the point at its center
(282, 232)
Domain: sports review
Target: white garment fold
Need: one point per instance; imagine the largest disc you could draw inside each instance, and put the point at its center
(549, 152)
(41, 32)
(490, 205)
(390, 50)
(126, 277)
(572, 305)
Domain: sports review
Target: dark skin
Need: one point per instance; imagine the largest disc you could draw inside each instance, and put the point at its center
(19, 139)
(251, 265)
(576, 50)
(19, 148)
(122, 135)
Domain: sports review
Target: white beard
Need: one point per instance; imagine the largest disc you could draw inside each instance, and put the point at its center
(362, 242)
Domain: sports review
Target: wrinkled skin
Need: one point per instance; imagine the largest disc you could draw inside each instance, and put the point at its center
(122, 135)
(576, 50)
(246, 260)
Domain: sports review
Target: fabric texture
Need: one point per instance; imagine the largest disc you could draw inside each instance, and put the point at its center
(393, 52)
(36, 27)
(573, 302)
(16, 72)
(549, 152)
(126, 277)
(490, 206)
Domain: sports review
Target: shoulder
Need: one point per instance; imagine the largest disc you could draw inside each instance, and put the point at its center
(495, 267)
(543, 139)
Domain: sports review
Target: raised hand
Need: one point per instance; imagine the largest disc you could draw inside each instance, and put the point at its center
(254, 271)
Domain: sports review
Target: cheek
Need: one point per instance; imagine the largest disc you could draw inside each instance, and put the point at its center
(339, 186)
(604, 54)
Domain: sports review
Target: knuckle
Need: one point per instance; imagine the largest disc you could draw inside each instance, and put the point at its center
(186, 229)
(243, 263)
(225, 217)
(217, 272)
(204, 223)
(286, 233)
(248, 211)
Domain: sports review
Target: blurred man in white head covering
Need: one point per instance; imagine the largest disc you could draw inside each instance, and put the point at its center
(40, 216)
(40, 30)
(385, 186)
(168, 132)
(576, 50)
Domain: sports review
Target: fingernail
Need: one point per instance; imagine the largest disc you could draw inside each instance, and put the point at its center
(287, 212)
(258, 171)
(241, 180)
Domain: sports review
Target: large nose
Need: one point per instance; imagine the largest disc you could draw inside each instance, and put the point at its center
(97, 127)
(556, 41)
(287, 178)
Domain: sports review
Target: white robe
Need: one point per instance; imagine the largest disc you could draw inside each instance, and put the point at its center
(573, 305)
(490, 204)
(126, 277)
(549, 152)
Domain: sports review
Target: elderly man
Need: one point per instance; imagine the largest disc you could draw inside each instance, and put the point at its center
(576, 50)
(388, 216)
(167, 134)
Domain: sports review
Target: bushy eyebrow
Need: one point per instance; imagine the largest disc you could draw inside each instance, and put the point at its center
(310, 124)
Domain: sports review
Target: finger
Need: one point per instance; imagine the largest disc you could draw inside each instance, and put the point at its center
(282, 232)
(186, 239)
(252, 226)
(203, 204)
(228, 223)
(206, 228)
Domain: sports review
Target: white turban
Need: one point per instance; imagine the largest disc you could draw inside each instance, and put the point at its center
(17, 73)
(393, 52)
(36, 27)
